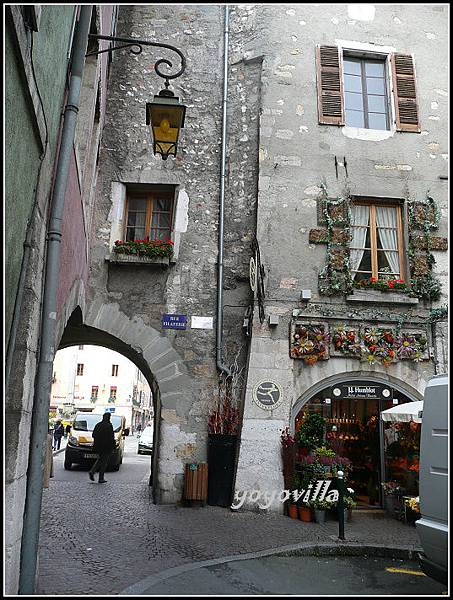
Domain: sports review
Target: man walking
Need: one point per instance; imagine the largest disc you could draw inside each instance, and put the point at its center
(57, 435)
(104, 445)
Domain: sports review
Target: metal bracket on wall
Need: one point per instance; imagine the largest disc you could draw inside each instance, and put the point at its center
(137, 44)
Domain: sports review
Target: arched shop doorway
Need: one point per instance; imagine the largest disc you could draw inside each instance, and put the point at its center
(380, 452)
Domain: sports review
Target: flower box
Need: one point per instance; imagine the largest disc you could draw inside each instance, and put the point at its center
(133, 259)
(376, 296)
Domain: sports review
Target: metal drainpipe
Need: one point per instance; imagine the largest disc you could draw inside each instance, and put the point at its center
(219, 337)
(39, 426)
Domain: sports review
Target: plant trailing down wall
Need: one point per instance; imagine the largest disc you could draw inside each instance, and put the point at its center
(424, 217)
(335, 278)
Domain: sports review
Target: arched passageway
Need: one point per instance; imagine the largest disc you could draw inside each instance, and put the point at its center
(78, 334)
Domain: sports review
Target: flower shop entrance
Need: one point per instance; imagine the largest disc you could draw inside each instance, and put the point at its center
(384, 456)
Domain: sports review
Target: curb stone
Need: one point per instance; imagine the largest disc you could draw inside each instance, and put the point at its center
(307, 549)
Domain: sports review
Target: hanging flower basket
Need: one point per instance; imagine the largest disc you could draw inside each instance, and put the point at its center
(310, 342)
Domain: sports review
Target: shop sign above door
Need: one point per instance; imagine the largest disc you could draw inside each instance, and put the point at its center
(370, 391)
(267, 395)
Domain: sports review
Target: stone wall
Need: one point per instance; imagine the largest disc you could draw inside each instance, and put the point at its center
(189, 285)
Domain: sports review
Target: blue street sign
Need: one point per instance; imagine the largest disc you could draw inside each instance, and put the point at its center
(174, 321)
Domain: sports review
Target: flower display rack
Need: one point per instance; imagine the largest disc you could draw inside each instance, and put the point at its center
(309, 341)
(384, 345)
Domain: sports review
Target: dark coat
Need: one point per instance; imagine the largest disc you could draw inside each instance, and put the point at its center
(59, 431)
(104, 438)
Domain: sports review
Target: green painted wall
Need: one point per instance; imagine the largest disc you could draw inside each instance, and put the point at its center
(22, 156)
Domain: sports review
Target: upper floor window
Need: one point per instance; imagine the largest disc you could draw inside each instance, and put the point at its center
(354, 89)
(114, 370)
(80, 369)
(365, 93)
(376, 248)
(94, 392)
(112, 395)
(149, 215)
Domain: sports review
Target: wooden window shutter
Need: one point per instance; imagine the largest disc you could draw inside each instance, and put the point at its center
(330, 85)
(405, 95)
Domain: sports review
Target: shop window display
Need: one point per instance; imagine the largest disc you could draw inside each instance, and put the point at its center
(378, 452)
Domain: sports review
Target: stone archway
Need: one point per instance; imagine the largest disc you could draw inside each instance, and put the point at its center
(370, 376)
(167, 377)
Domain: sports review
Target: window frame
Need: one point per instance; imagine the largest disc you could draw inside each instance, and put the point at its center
(364, 57)
(372, 203)
(150, 196)
(113, 388)
(115, 370)
(80, 367)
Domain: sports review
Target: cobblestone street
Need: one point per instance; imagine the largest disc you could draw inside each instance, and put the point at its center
(103, 539)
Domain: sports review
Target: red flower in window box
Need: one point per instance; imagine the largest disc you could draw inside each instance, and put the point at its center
(153, 248)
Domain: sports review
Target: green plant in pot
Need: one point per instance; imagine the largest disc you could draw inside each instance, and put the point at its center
(310, 434)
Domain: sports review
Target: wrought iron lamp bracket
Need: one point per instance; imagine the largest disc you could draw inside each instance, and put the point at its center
(138, 45)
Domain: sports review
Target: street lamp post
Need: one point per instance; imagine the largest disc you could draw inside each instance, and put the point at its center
(165, 115)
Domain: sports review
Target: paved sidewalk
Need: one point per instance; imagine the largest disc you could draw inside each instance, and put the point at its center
(64, 443)
(110, 539)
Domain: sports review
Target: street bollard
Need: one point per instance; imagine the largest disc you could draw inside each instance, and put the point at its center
(340, 505)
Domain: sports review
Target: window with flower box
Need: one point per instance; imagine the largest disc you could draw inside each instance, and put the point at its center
(149, 215)
(376, 246)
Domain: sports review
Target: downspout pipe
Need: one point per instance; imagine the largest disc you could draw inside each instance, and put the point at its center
(43, 383)
(219, 332)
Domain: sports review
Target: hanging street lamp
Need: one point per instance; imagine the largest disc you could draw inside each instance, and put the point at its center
(165, 115)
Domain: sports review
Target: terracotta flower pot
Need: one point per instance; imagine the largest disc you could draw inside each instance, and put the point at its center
(305, 514)
(292, 511)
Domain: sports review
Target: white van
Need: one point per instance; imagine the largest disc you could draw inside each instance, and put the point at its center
(432, 527)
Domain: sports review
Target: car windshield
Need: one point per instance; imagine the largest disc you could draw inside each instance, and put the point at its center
(88, 421)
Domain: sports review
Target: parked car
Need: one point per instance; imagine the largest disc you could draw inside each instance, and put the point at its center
(145, 441)
(79, 448)
(432, 526)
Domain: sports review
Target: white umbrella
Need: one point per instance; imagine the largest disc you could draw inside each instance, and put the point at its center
(404, 412)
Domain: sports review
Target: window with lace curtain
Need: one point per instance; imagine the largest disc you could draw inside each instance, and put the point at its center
(376, 247)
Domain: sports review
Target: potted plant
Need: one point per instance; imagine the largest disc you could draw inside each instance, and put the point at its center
(292, 505)
(349, 503)
(392, 496)
(319, 508)
(305, 511)
(223, 430)
(412, 509)
(310, 434)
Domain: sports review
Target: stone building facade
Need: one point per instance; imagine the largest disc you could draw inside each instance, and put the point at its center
(310, 175)
(284, 170)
